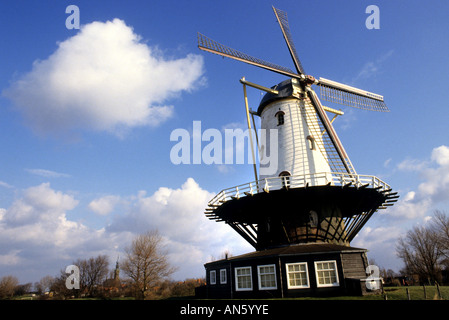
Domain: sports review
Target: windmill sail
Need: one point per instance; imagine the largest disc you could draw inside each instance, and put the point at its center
(207, 44)
(333, 91)
(281, 16)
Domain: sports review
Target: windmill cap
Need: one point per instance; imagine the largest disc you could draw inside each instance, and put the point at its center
(286, 89)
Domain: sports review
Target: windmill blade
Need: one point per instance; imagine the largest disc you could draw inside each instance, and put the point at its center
(336, 92)
(209, 45)
(281, 17)
(336, 154)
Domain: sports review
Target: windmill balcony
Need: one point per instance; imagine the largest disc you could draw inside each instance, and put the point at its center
(266, 185)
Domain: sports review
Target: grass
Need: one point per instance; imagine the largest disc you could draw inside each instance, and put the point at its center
(397, 293)
(417, 293)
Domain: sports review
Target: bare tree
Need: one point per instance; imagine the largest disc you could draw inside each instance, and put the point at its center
(440, 225)
(421, 252)
(7, 286)
(22, 289)
(93, 272)
(146, 262)
(59, 288)
(44, 284)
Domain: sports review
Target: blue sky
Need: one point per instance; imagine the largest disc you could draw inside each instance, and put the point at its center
(85, 143)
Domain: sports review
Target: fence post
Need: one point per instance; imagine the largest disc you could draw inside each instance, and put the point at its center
(425, 293)
(438, 290)
(408, 293)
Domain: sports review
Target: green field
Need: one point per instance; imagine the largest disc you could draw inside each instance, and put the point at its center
(417, 293)
(397, 293)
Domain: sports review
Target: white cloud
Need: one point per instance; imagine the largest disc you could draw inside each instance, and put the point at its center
(178, 214)
(412, 165)
(47, 173)
(369, 236)
(441, 156)
(40, 203)
(432, 191)
(387, 162)
(38, 238)
(225, 168)
(103, 78)
(381, 245)
(11, 258)
(436, 179)
(104, 205)
(372, 68)
(5, 185)
(410, 207)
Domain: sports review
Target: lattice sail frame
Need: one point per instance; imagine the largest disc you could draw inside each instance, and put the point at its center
(281, 16)
(335, 92)
(209, 45)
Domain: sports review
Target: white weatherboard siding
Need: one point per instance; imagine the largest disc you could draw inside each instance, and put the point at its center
(299, 142)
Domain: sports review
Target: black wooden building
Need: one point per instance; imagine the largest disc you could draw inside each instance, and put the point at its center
(309, 269)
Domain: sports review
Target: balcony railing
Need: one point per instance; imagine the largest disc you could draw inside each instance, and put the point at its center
(298, 181)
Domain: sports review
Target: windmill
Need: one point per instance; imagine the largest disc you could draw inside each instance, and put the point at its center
(314, 195)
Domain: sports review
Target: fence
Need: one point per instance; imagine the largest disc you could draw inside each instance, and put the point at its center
(429, 292)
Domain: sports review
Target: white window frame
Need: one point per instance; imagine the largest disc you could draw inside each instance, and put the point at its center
(237, 279)
(223, 276)
(288, 276)
(213, 279)
(260, 278)
(335, 284)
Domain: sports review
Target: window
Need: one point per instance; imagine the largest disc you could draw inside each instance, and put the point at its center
(243, 279)
(311, 141)
(297, 275)
(285, 178)
(326, 274)
(313, 219)
(267, 277)
(213, 277)
(280, 116)
(223, 278)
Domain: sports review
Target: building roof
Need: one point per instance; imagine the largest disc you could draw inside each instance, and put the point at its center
(285, 89)
(295, 249)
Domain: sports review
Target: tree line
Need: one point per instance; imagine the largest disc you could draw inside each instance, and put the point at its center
(145, 268)
(425, 250)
